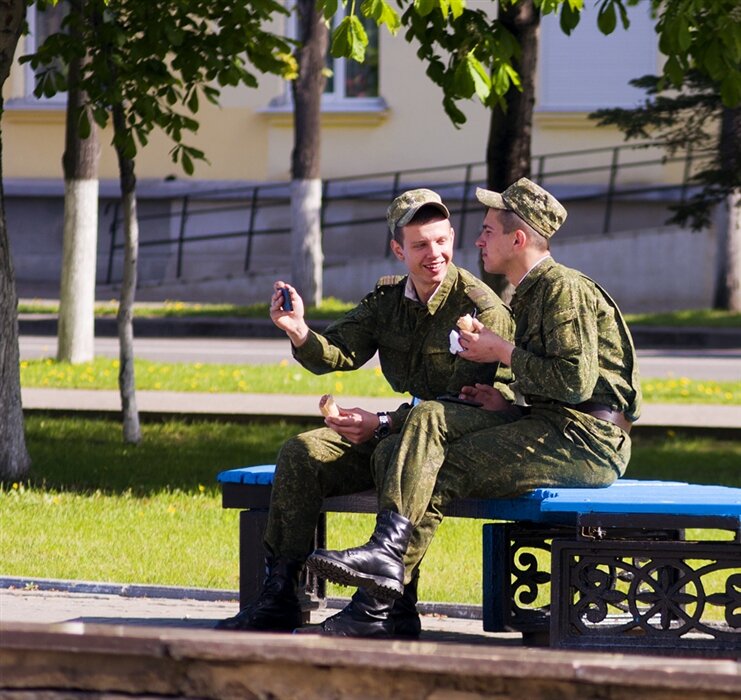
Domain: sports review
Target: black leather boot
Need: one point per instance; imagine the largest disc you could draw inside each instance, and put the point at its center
(276, 609)
(363, 616)
(377, 565)
(404, 616)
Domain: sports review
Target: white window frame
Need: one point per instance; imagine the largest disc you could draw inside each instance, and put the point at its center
(336, 100)
(29, 76)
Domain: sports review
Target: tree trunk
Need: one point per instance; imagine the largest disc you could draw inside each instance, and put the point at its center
(510, 129)
(126, 379)
(76, 335)
(728, 288)
(14, 458)
(306, 187)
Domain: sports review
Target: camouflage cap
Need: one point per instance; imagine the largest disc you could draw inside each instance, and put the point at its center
(530, 202)
(402, 210)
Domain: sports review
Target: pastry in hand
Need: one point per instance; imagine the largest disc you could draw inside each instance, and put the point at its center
(465, 323)
(327, 406)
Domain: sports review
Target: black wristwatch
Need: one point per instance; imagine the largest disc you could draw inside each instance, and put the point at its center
(384, 426)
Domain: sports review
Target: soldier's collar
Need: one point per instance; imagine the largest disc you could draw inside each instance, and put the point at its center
(441, 293)
(532, 275)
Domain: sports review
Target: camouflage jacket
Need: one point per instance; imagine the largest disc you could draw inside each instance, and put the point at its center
(411, 338)
(572, 342)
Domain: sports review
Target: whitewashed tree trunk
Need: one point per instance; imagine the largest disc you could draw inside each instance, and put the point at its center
(14, 458)
(307, 258)
(76, 333)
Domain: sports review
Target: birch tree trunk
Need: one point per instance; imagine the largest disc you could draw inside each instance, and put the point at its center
(126, 378)
(14, 458)
(76, 332)
(508, 151)
(307, 259)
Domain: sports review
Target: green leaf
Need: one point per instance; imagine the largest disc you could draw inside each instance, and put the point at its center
(674, 71)
(193, 102)
(382, 13)
(569, 18)
(329, 8)
(607, 19)
(454, 114)
(456, 8)
(684, 37)
(83, 126)
(730, 89)
(350, 39)
(424, 7)
(501, 81)
(470, 78)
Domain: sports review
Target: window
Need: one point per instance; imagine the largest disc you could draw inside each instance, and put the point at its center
(41, 24)
(588, 70)
(350, 79)
(350, 86)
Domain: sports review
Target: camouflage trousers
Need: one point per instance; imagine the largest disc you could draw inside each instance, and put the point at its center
(309, 467)
(448, 451)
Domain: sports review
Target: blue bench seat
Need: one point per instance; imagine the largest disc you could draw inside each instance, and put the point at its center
(608, 551)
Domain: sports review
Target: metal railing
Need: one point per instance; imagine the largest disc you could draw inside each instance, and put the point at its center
(455, 183)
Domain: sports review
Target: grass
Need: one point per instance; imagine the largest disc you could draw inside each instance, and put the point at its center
(332, 308)
(96, 509)
(290, 378)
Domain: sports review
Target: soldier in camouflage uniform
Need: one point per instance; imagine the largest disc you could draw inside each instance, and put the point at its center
(407, 320)
(575, 378)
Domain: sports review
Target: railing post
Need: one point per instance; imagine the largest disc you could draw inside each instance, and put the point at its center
(112, 249)
(181, 236)
(394, 194)
(464, 205)
(686, 174)
(541, 170)
(251, 228)
(611, 190)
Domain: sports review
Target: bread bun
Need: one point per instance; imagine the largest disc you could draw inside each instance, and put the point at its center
(327, 406)
(465, 323)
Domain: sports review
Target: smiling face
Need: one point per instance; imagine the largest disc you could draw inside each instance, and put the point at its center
(426, 252)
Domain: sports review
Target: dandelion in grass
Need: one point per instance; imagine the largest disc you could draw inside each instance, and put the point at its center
(338, 387)
(171, 509)
(283, 363)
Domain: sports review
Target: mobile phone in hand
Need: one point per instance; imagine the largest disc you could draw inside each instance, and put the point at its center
(287, 304)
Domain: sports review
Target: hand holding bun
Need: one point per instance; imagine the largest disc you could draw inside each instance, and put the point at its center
(465, 323)
(327, 406)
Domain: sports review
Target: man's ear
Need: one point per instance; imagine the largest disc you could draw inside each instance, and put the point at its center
(397, 250)
(520, 238)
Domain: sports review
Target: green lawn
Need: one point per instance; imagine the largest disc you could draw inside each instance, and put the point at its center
(290, 378)
(96, 509)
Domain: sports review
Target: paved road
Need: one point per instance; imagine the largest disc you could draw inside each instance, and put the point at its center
(716, 365)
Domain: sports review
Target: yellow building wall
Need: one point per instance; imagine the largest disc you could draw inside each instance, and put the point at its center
(245, 140)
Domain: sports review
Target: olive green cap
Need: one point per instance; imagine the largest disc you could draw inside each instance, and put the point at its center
(402, 210)
(530, 202)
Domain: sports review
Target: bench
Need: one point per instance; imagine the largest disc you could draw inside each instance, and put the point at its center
(620, 574)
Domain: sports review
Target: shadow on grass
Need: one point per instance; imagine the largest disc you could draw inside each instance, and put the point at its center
(88, 455)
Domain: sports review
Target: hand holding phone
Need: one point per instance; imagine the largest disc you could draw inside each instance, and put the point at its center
(287, 303)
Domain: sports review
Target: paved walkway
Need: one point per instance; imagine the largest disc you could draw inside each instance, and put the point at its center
(279, 405)
(54, 602)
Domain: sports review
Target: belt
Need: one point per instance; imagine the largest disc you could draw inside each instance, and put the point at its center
(599, 410)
